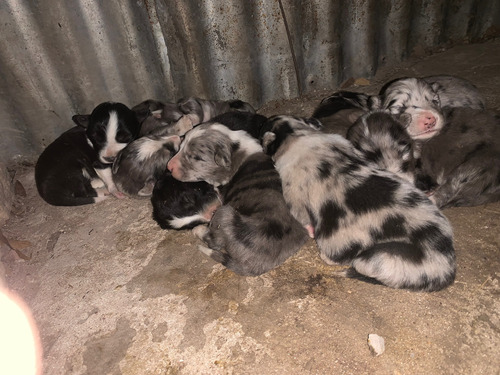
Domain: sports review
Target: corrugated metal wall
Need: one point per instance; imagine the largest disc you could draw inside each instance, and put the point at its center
(58, 58)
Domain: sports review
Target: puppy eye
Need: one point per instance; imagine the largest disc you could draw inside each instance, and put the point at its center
(123, 137)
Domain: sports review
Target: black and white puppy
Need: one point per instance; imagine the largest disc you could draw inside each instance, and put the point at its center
(183, 205)
(460, 166)
(253, 231)
(383, 140)
(75, 169)
(139, 165)
(381, 225)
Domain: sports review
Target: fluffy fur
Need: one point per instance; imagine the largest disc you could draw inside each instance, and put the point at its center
(253, 231)
(382, 226)
(182, 205)
(382, 139)
(424, 98)
(188, 112)
(139, 165)
(75, 169)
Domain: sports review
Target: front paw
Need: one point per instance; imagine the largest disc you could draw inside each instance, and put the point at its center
(119, 194)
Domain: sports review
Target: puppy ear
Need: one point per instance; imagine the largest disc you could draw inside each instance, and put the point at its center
(404, 119)
(313, 123)
(157, 113)
(81, 120)
(222, 157)
(116, 163)
(268, 143)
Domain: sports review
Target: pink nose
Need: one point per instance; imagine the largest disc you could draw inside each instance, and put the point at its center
(429, 121)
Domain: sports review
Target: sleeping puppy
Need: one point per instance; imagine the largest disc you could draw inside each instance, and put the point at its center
(153, 114)
(139, 165)
(182, 205)
(460, 166)
(253, 231)
(340, 110)
(423, 100)
(383, 140)
(75, 169)
(202, 110)
(386, 229)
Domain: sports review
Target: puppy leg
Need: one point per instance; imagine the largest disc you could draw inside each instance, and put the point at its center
(473, 183)
(106, 175)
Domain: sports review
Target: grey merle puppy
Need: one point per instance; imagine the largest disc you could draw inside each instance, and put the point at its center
(384, 141)
(386, 229)
(253, 232)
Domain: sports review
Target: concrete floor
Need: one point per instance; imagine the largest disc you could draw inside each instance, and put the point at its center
(112, 293)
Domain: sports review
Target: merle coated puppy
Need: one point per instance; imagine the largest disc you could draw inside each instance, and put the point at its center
(460, 166)
(75, 169)
(422, 100)
(383, 140)
(253, 231)
(183, 205)
(386, 229)
(139, 165)
(154, 114)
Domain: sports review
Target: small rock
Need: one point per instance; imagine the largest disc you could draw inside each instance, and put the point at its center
(361, 82)
(376, 344)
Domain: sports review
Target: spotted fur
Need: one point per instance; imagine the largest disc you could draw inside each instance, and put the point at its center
(382, 226)
(383, 140)
(253, 231)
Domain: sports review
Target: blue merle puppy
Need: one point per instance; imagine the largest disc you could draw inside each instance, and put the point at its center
(386, 229)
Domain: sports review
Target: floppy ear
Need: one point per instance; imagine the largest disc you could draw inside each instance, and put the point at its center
(268, 143)
(404, 119)
(313, 123)
(222, 156)
(81, 120)
(116, 163)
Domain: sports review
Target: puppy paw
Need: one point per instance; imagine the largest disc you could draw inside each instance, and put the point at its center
(119, 194)
(200, 231)
(310, 230)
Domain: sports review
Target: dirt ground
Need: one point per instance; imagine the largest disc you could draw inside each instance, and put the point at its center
(112, 293)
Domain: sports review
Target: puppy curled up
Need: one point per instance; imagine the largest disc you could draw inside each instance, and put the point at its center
(253, 232)
(382, 226)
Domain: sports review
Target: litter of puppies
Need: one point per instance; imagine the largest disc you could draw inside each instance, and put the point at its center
(365, 176)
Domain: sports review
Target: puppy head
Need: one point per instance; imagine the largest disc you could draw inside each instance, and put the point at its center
(241, 106)
(419, 102)
(193, 108)
(109, 128)
(279, 128)
(146, 108)
(211, 152)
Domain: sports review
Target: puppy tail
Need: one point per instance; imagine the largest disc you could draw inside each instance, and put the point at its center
(406, 266)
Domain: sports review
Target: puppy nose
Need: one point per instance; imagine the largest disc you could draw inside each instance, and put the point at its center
(429, 121)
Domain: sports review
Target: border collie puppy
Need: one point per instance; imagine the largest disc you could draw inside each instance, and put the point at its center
(75, 169)
(202, 110)
(386, 229)
(383, 140)
(253, 231)
(423, 99)
(153, 114)
(183, 205)
(460, 166)
(139, 165)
